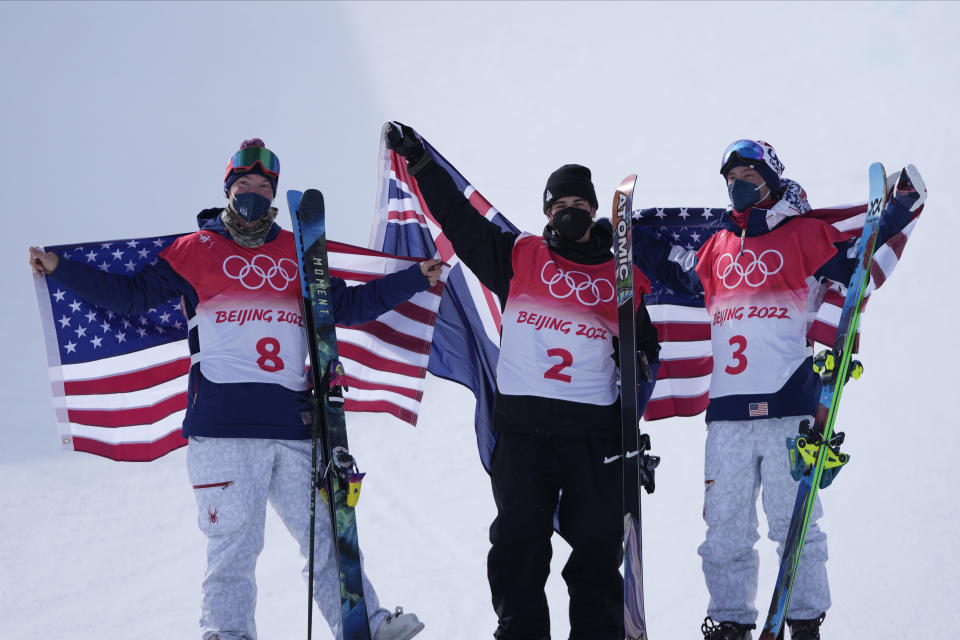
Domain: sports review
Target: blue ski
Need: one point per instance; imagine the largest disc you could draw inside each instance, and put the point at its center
(815, 452)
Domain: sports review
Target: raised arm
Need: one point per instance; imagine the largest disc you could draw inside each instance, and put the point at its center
(480, 244)
(907, 195)
(149, 287)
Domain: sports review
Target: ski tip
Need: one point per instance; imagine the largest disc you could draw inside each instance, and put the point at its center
(628, 182)
(293, 201)
(310, 200)
(878, 182)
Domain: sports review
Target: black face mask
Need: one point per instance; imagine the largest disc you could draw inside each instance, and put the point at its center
(250, 206)
(572, 223)
(743, 194)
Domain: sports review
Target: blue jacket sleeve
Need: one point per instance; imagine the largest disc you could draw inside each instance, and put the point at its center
(151, 286)
(840, 267)
(362, 303)
(654, 257)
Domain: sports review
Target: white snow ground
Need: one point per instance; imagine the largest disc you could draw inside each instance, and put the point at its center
(118, 118)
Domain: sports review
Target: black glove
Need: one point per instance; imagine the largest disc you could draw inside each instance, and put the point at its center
(404, 140)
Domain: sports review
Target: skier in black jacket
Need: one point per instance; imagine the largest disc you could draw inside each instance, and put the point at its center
(557, 406)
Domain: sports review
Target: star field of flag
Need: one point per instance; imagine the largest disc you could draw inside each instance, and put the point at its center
(688, 227)
(86, 333)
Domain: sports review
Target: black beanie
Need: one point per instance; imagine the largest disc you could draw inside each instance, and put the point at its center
(569, 180)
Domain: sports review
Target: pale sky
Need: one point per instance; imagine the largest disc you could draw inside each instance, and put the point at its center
(119, 118)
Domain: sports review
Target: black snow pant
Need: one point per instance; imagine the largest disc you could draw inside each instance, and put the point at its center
(532, 476)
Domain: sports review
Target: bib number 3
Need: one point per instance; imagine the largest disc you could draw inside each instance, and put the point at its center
(739, 343)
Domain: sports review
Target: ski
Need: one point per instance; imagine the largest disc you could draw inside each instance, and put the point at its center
(339, 477)
(815, 453)
(638, 466)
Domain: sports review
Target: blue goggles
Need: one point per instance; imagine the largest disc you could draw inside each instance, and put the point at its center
(738, 152)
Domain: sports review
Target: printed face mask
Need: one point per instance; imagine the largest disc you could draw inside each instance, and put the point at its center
(743, 194)
(250, 206)
(572, 223)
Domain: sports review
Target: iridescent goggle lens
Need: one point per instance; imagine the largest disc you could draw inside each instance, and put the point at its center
(245, 159)
(740, 150)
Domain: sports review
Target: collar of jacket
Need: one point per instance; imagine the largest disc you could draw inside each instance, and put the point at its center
(756, 222)
(209, 219)
(596, 250)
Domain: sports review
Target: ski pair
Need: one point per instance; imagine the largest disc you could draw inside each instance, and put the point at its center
(339, 478)
(638, 464)
(818, 473)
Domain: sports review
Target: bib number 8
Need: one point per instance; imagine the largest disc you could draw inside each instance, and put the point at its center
(269, 350)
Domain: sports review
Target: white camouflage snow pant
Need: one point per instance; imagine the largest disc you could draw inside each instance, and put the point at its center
(740, 457)
(233, 479)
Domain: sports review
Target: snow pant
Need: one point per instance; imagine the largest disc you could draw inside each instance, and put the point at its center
(742, 456)
(233, 479)
(533, 477)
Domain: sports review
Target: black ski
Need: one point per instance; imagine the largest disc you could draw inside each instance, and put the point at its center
(638, 465)
(339, 477)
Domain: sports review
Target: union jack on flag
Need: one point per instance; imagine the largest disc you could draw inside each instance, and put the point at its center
(119, 383)
(466, 339)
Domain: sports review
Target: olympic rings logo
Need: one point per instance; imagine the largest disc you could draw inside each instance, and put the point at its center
(754, 273)
(260, 271)
(562, 284)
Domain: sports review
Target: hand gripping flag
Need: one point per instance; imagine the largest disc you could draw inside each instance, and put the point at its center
(466, 338)
(119, 383)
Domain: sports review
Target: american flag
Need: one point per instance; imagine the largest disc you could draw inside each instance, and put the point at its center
(757, 409)
(119, 383)
(683, 325)
(466, 340)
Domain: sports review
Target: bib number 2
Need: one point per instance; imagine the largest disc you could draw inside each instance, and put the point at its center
(566, 359)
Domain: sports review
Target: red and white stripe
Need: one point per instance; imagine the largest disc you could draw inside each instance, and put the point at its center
(415, 211)
(131, 407)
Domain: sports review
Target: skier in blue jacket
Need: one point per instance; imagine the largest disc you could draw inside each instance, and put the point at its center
(761, 276)
(248, 418)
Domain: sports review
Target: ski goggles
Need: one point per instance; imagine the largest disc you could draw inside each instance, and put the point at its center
(739, 151)
(246, 159)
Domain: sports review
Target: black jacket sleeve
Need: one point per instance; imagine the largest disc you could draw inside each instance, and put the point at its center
(647, 340)
(481, 245)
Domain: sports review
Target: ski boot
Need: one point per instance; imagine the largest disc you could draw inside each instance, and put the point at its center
(805, 629)
(804, 449)
(399, 626)
(825, 364)
(726, 630)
